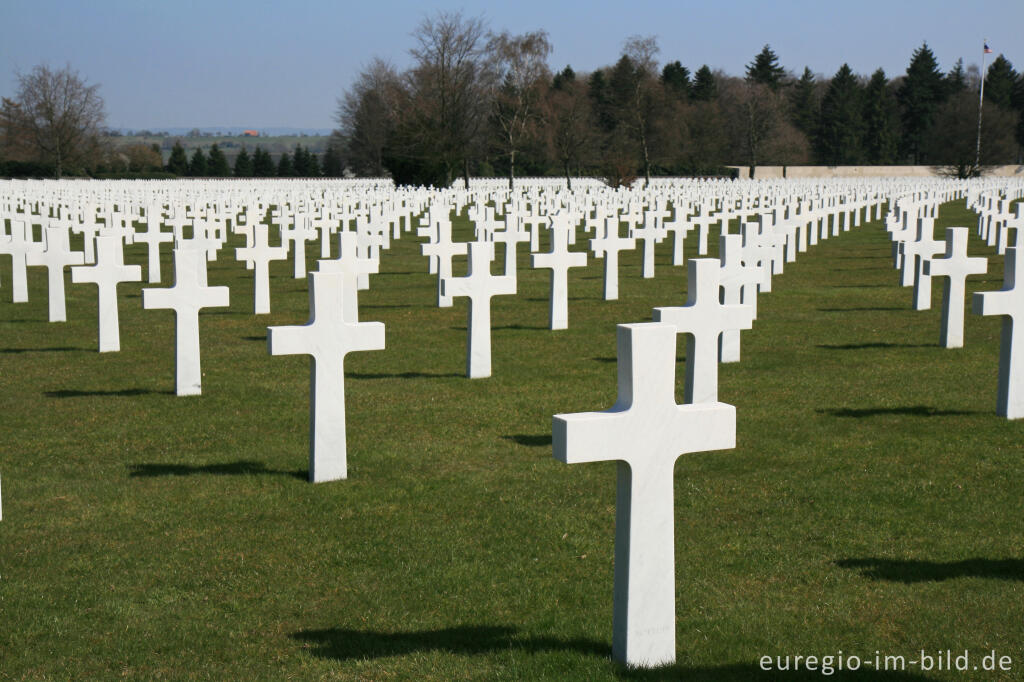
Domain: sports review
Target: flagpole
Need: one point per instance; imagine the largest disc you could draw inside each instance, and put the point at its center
(981, 99)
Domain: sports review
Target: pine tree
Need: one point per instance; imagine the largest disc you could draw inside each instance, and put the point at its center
(922, 93)
(262, 164)
(803, 103)
(840, 130)
(217, 164)
(881, 119)
(676, 80)
(243, 165)
(765, 69)
(178, 162)
(285, 167)
(1000, 83)
(333, 165)
(705, 86)
(197, 166)
(313, 165)
(563, 79)
(956, 79)
(300, 162)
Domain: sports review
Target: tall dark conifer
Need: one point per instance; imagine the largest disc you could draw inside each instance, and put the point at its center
(881, 121)
(922, 93)
(840, 131)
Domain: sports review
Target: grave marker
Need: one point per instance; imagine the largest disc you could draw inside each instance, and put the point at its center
(327, 337)
(106, 274)
(479, 285)
(645, 431)
(955, 266)
(1008, 302)
(186, 298)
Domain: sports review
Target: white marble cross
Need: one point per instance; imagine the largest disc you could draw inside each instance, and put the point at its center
(350, 265)
(327, 337)
(443, 249)
(261, 253)
(739, 286)
(479, 285)
(1008, 302)
(559, 260)
(153, 237)
(915, 253)
(703, 319)
(55, 258)
(607, 245)
(955, 266)
(189, 294)
(106, 274)
(645, 432)
(19, 246)
(650, 234)
(511, 237)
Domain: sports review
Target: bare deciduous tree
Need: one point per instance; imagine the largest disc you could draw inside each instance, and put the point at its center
(57, 114)
(366, 116)
(522, 70)
(568, 125)
(450, 88)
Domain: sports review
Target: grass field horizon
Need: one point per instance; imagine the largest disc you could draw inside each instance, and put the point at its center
(872, 502)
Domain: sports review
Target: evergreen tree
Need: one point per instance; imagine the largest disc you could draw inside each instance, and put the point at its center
(285, 167)
(676, 80)
(840, 130)
(197, 166)
(601, 102)
(262, 164)
(243, 165)
(881, 120)
(563, 79)
(765, 69)
(299, 164)
(803, 104)
(705, 86)
(1000, 83)
(956, 79)
(178, 162)
(922, 93)
(333, 164)
(312, 164)
(217, 164)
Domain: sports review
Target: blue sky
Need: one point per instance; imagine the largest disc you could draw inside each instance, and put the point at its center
(267, 64)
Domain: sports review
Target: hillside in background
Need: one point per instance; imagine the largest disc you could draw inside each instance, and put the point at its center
(229, 144)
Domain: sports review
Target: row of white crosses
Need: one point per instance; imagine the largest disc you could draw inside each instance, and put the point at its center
(916, 253)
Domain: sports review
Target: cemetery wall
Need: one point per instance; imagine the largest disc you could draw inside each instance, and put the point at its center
(773, 172)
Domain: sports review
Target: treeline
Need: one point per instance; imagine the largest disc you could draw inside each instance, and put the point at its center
(147, 160)
(479, 103)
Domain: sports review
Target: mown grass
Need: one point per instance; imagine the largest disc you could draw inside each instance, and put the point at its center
(873, 501)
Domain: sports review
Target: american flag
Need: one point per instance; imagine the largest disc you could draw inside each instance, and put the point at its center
(988, 50)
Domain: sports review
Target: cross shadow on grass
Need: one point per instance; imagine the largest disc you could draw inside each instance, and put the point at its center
(864, 309)
(344, 644)
(910, 410)
(239, 468)
(530, 440)
(403, 375)
(468, 640)
(917, 571)
(58, 349)
(874, 344)
(124, 393)
(255, 338)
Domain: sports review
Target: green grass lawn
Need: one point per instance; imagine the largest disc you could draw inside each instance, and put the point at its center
(873, 502)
